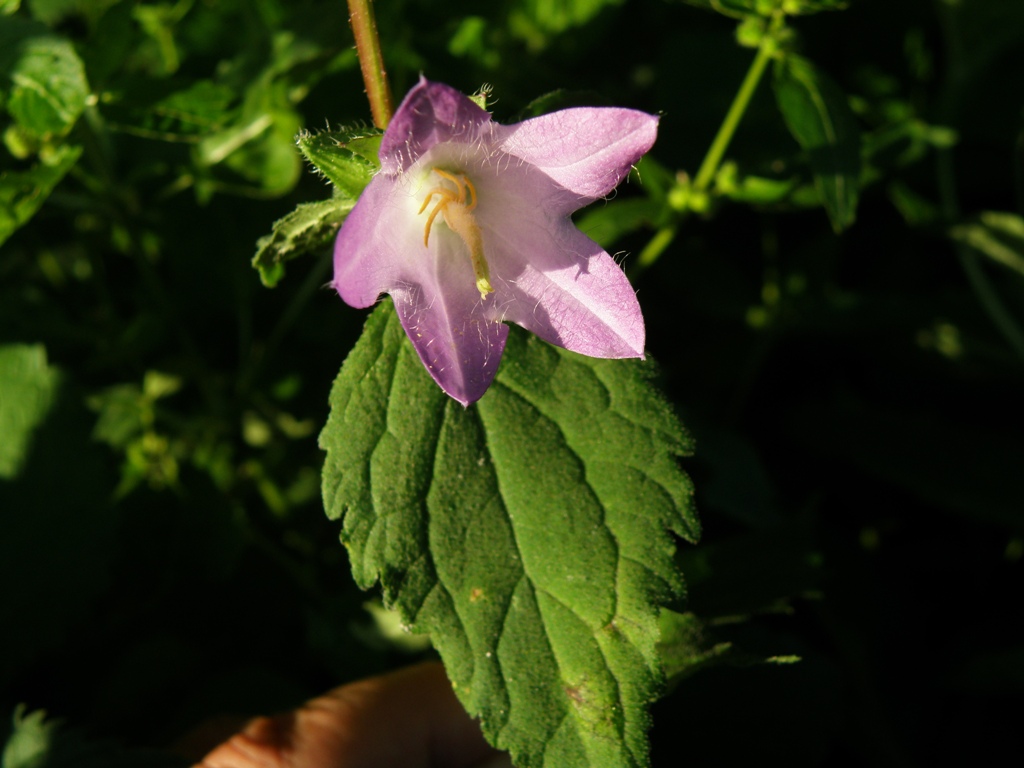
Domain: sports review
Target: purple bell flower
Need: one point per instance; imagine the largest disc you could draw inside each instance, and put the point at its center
(467, 226)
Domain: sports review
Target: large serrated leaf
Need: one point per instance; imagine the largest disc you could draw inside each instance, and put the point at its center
(820, 119)
(528, 534)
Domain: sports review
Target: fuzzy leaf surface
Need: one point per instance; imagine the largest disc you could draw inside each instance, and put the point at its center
(530, 534)
(348, 159)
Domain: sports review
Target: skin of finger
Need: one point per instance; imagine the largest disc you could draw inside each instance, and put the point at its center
(409, 718)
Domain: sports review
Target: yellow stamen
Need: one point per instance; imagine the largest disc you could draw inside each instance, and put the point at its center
(455, 207)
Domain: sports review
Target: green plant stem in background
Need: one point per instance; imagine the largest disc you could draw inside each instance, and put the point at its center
(709, 167)
(364, 27)
(739, 105)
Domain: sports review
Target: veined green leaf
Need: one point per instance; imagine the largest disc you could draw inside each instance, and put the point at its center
(820, 119)
(529, 535)
(309, 227)
(348, 158)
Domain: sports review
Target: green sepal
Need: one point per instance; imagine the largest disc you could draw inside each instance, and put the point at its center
(531, 534)
(347, 158)
(310, 227)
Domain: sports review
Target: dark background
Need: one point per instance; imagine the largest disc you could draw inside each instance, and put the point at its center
(856, 411)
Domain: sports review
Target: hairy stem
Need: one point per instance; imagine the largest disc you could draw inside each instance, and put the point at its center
(364, 27)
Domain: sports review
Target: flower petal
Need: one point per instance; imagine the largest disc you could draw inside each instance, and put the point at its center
(371, 242)
(429, 114)
(460, 346)
(556, 282)
(587, 150)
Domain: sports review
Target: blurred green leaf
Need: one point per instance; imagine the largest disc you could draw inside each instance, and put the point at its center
(608, 222)
(30, 742)
(42, 80)
(7, 7)
(686, 645)
(734, 8)
(22, 193)
(754, 190)
(557, 16)
(995, 235)
(347, 158)
(185, 114)
(915, 209)
(470, 40)
(159, 21)
(51, 12)
(528, 534)
(40, 743)
(28, 386)
(258, 144)
(308, 228)
(820, 119)
(739, 8)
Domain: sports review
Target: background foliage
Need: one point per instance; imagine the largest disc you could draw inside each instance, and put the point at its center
(848, 357)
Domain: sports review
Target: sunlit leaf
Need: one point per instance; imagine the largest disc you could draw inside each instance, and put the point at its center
(529, 534)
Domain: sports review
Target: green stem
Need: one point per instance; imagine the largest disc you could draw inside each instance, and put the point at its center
(765, 52)
(364, 27)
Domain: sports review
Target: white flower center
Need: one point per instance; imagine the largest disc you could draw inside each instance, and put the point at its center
(456, 207)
